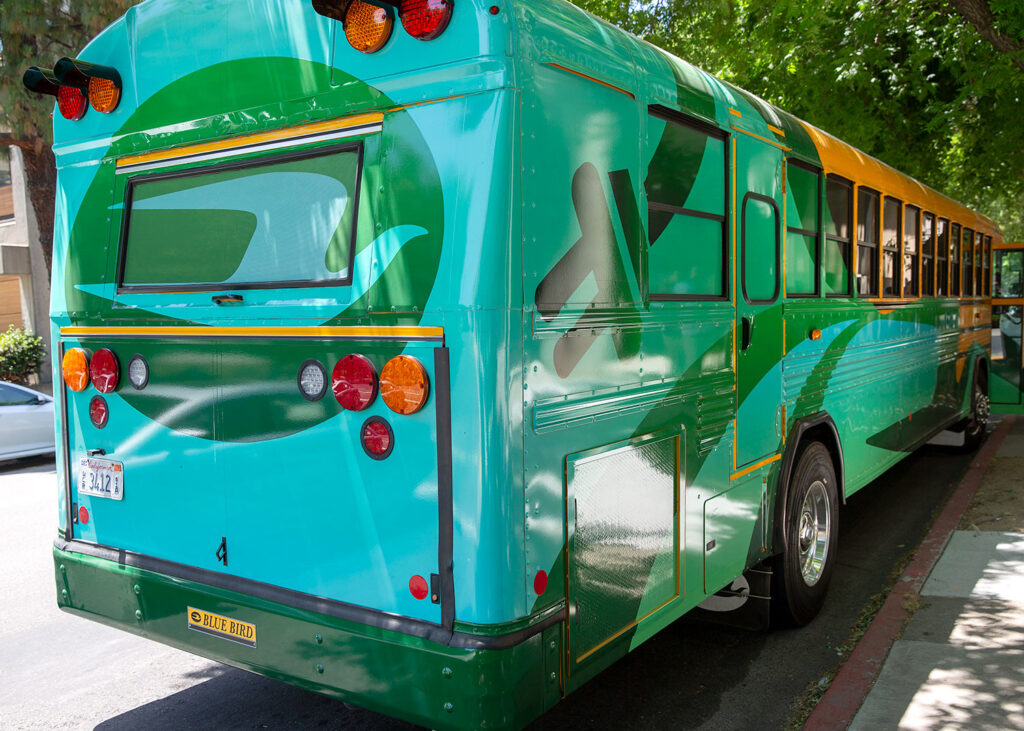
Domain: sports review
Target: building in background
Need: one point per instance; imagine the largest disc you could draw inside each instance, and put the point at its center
(24, 281)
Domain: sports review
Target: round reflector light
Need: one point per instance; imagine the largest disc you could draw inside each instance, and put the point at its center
(71, 102)
(313, 380)
(368, 27)
(425, 19)
(540, 583)
(138, 372)
(377, 438)
(104, 370)
(404, 385)
(355, 382)
(104, 94)
(75, 366)
(99, 412)
(83, 515)
(418, 587)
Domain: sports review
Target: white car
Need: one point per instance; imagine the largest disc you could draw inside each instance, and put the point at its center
(26, 422)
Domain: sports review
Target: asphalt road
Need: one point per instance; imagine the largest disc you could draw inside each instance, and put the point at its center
(61, 672)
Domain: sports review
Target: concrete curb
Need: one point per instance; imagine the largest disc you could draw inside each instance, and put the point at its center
(850, 687)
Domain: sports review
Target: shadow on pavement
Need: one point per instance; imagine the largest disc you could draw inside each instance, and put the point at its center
(236, 699)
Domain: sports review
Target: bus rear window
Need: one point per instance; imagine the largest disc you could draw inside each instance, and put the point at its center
(285, 221)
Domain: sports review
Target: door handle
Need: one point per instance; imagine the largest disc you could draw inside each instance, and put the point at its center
(748, 331)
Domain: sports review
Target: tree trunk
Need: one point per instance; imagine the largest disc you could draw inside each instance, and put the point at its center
(41, 181)
(979, 14)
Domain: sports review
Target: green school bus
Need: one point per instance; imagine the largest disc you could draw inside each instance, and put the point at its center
(434, 354)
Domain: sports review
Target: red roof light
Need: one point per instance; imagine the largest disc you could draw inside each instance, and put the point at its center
(72, 103)
(425, 19)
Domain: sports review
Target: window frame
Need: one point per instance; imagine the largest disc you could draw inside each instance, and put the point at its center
(915, 267)
(243, 164)
(927, 288)
(849, 242)
(967, 263)
(987, 263)
(944, 259)
(778, 249)
(876, 246)
(673, 116)
(956, 231)
(817, 235)
(897, 253)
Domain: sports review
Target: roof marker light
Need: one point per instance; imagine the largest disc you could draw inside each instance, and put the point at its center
(367, 26)
(101, 83)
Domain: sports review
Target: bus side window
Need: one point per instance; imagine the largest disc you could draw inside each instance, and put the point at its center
(967, 280)
(911, 236)
(803, 201)
(928, 255)
(942, 229)
(954, 261)
(891, 247)
(987, 264)
(838, 258)
(686, 193)
(979, 288)
(867, 243)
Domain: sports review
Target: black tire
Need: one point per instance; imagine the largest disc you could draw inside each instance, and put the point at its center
(800, 578)
(974, 427)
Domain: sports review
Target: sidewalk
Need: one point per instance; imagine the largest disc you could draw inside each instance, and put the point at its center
(950, 638)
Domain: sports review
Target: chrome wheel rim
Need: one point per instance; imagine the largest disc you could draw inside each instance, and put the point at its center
(982, 411)
(814, 532)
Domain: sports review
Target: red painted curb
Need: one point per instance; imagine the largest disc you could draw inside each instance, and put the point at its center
(850, 687)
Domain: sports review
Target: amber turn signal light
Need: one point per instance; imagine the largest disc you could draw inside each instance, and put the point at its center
(404, 385)
(75, 367)
(368, 27)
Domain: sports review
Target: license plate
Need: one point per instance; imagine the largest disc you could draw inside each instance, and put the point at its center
(101, 478)
(222, 627)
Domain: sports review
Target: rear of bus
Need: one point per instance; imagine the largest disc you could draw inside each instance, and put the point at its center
(281, 295)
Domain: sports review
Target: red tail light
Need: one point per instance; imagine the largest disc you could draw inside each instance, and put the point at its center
(72, 103)
(99, 412)
(377, 438)
(425, 19)
(355, 382)
(104, 370)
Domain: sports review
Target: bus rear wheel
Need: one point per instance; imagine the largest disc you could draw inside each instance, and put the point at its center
(804, 568)
(974, 428)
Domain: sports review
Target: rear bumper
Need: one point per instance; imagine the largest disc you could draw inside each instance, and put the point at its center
(421, 680)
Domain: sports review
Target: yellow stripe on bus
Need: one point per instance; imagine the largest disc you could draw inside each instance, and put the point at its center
(332, 125)
(257, 332)
(755, 466)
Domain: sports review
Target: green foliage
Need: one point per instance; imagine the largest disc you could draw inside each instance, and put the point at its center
(37, 33)
(20, 355)
(934, 88)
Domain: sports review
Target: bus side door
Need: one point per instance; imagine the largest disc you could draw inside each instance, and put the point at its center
(1007, 379)
(758, 225)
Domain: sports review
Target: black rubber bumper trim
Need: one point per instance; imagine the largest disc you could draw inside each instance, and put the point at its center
(308, 602)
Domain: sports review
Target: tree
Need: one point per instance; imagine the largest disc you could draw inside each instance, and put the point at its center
(932, 87)
(37, 33)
